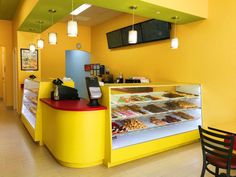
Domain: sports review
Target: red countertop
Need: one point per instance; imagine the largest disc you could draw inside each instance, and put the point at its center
(71, 105)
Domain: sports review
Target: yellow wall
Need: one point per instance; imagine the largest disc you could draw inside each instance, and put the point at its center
(206, 55)
(53, 56)
(23, 10)
(6, 41)
(1, 85)
(194, 7)
(23, 41)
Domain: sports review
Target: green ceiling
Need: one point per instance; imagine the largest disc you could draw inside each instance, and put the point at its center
(7, 9)
(63, 8)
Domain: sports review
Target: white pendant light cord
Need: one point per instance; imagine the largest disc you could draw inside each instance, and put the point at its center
(72, 6)
(133, 20)
(175, 27)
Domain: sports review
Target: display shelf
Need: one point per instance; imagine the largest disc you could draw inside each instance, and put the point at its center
(153, 126)
(154, 134)
(31, 106)
(115, 99)
(128, 140)
(29, 116)
(153, 114)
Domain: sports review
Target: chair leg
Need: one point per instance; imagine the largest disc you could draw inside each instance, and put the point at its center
(217, 172)
(203, 170)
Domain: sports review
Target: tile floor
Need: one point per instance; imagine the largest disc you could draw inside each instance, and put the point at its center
(21, 157)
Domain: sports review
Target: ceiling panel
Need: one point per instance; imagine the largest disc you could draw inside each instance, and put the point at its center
(63, 7)
(7, 9)
(94, 16)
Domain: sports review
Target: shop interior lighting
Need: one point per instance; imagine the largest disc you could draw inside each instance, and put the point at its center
(133, 34)
(52, 36)
(32, 48)
(80, 9)
(72, 26)
(175, 40)
(40, 42)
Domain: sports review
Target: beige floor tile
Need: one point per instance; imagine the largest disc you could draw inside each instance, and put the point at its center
(21, 157)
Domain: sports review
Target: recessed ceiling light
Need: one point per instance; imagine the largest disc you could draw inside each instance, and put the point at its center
(80, 9)
(158, 12)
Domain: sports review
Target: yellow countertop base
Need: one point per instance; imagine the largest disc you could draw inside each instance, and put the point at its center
(75, 138)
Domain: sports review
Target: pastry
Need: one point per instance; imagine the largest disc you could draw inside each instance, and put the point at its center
(152, 97)
(137, 109)
(157, 121)
(184, 115)
(172, 95)
(172, 105)
(116, 129)
(123, 100)
(185, 104)
(133, 124)
(170, 119)
(153, 108)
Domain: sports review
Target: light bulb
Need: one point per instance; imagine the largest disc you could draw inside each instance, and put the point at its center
(52, 38)
(32, 48)
(133, 37)
(175, 43)
(40, 43)
(72, 28)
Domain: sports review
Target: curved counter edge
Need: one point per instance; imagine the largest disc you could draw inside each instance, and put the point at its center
(71, 105)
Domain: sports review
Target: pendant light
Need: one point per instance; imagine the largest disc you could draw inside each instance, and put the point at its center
(52, 37)
(72, 26)
(40, 42)
(175, 40)
(133, 34)
(32, 48)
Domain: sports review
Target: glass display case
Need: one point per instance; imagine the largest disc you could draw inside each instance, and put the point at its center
(146, 113)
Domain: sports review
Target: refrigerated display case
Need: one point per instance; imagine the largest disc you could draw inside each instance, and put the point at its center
(31, 111)
(143, 119)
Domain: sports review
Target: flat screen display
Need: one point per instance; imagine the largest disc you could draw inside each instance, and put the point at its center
(148, 31)
(153, 30)
(114, 39)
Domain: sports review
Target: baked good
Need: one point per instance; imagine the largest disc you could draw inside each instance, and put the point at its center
(157, 121)
(116, 128)
(133, 124)
(184, 115)
(170, 119)
(123, 100)
(185, 104)
(153, 108)
(137, 109)
(151, 97)
(172, 95)
(172, 105)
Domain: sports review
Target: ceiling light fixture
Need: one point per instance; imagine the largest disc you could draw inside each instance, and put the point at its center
(52, 37)
(40, 42)
(72, 26)
(80, 9)
(32, 48)
(133, 34)
(175, 40)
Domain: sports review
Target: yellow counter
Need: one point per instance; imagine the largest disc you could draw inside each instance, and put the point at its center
(74, 133)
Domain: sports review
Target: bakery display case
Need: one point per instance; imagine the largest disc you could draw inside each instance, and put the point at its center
(31, 114)
(143, 119)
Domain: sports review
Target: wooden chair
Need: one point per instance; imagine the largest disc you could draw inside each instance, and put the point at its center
(217, 150)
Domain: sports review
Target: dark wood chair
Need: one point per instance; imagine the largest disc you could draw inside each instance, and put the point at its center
(217, 150)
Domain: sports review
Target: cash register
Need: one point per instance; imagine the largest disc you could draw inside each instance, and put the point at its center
(94, 90)
(62, 92)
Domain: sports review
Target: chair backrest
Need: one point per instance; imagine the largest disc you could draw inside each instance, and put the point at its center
(218, 145)
(225, 132)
